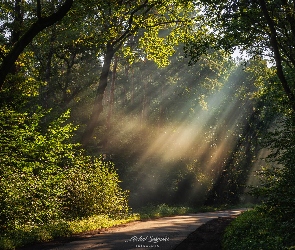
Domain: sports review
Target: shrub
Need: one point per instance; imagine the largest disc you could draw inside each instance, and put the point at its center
(45, 178)
(92, 188)
(253, 230)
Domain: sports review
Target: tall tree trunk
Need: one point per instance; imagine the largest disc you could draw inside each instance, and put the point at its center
(16, 29)
(17, 23)
(144, 104)
(112, 93)
(161, 108)
(132, 86)
(44, 90)
(98, 102)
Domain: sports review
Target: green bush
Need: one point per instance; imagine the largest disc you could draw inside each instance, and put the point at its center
(45, 179)
(93, 188)
(255, 229)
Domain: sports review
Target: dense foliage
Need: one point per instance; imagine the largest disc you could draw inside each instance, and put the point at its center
(45, 178)
(256, 230)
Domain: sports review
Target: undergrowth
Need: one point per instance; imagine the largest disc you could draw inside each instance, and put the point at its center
(256, 229)
(156, 211)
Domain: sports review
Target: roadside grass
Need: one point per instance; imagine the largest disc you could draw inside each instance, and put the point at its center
(157, 211)
(162, 210)
(25, 235)
(29, 234)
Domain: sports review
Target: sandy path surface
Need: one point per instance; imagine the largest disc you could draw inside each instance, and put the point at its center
(163, 234)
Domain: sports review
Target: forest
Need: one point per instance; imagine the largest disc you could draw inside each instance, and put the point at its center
(109, 107)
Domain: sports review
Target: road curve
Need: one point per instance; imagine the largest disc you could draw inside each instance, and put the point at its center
(162, 234)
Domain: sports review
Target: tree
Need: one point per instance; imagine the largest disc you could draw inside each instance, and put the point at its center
(149, 22)
(66, 61)
(262, 28)
(229, 136)
(265, 29)
(22, 25)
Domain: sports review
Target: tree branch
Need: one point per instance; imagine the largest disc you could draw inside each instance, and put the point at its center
(39, 15)
(24, 41)
(130, 22)
(277, 55)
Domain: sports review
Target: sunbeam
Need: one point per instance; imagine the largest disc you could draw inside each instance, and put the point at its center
(166, 140)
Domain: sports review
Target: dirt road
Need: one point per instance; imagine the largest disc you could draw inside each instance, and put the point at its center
(163, 234)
